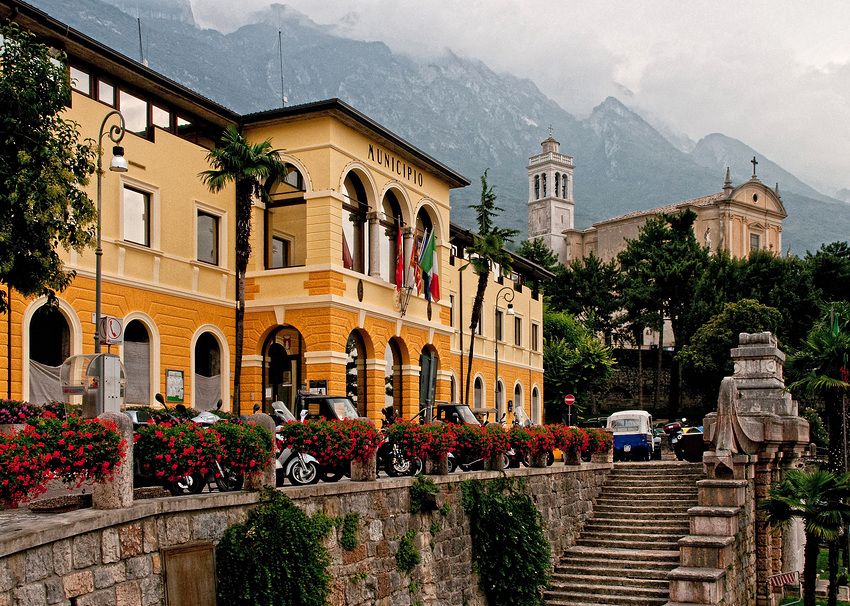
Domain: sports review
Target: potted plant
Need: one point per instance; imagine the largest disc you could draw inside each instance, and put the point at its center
(441, 441)
(534, 443)
(600, 445)
(364, 439)
(410, 438)
(494, 445)
(571, 441)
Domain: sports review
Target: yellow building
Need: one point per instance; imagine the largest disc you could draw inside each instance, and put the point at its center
(322, 308)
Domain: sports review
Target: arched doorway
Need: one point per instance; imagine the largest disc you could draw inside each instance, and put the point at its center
(137, 363)
(392, 378)
(355, 371)
(282, 360)
(429, 363)
(535, 406)
(50, 345)
(207, 372)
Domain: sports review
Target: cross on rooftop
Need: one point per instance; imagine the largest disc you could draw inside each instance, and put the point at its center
(754, 162)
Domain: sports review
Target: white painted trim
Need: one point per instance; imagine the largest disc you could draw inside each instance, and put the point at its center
(224, 350)
(75, 329)
(155, 352)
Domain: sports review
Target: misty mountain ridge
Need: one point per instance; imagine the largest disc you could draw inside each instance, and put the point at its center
(457, 110)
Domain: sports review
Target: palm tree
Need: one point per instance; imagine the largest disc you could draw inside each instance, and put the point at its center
(820, 499)
(486, 252)
(253, 169)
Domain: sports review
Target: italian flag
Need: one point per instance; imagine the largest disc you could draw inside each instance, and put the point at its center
(429, 266)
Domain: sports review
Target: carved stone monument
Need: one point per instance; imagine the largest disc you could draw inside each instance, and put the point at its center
(754, 436)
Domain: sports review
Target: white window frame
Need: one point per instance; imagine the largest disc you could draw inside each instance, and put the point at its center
(222, 233)
(154, 232)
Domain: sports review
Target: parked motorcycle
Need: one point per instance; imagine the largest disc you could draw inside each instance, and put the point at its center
(225, 477)
(301, 469)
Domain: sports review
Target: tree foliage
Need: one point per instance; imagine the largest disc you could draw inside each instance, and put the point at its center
(821, 500)
(253, 168)
(485, 253)
(705, 360)
(575, 362)
(43, 167)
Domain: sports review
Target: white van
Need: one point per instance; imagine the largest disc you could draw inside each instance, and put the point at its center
(632, 435)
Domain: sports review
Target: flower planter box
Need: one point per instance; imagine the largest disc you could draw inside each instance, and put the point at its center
(437, 465)
(538, 459)
(571, 457)
(10, 428)
(364, 471)
(602, 457)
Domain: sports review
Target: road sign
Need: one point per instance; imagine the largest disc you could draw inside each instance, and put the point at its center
(111, 331)
(569, 400)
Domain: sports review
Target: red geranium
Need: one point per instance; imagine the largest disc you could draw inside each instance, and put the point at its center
(410, 437)
(441, 439)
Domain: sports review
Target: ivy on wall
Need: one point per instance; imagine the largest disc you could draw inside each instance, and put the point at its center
(509, 548)
(274, 558)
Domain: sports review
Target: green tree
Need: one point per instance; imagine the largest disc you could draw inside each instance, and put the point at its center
(43, 168)
(590, 289)
(820, 500)
(486, 252)
(574, 362)
(660, 268)
(705, 360)
(253, 169)
(536, 251)
(830, 270)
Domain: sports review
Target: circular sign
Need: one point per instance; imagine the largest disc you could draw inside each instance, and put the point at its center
(111, 331)
(569, 400)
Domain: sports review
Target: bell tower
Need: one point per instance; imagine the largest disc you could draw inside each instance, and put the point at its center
(550, 197)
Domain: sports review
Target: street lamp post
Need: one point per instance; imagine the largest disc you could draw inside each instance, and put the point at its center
(507, 292)
(118, 165)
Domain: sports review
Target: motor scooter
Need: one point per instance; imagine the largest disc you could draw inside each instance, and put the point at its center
(225, 477)
(301, 469)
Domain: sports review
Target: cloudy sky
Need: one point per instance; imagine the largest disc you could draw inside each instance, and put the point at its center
(773, 73)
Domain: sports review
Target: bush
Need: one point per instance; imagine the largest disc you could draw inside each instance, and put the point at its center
(598, 441)
(275, 558)
(494, 441)
(332, 442)
(245, 447)
(468, 441)
(532, 441)
(72, 449)
(170, 452)
(441, 439)
(570, 439)
(410, 437)
(16, 411)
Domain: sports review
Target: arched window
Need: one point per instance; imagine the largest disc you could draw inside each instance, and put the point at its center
(500, 400)
(50, 345)
(355, 235)
(207, 372)
(137, 363)
(478, 393)
(392, 378)
(535, 406)
(355, 371)
(544, 185)
(390, 222)
(536, 187)
(518, 403)
(557, 184)
(429, 363)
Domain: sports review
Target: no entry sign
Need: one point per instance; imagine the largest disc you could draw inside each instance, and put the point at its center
(569, 400)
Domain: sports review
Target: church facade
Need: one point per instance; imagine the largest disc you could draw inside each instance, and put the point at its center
(739, 219)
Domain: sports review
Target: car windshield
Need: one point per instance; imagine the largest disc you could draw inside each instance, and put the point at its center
(343, 408)
(625, 425)
(466, 415)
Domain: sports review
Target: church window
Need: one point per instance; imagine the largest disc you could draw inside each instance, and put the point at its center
(557, 184)
(544, 185)
(536, 187)
(755, 242)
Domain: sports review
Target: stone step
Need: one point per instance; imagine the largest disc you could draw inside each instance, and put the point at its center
(639, 517)
(625, 543)
(618, 525)
(658, 510)
(649, 581)
(641, 535)
(650, 500)
(606, 594)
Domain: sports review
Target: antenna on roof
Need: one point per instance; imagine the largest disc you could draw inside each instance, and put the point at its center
(280, 47)
(141, 51)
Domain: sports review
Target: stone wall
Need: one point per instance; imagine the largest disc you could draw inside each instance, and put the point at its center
(93, 557)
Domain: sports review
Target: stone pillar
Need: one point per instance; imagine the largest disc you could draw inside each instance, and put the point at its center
(117, 493)
(374, 246)
(376, 372)
(266, 477)
(410, 390)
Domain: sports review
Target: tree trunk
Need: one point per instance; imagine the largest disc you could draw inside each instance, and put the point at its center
(244, 206)
(832, 593)
(657, 397)
(810, 569)
(240, 324)
(477, 304)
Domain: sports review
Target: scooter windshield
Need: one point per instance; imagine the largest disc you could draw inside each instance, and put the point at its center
(343, 408)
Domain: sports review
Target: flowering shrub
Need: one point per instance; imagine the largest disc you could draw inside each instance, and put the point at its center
(494, 441)
(73, 449)
(468, 441)
(534, 440)
(170, 452)
(245, 446)
(410, 437)
(598, 441)
(365, 439)
(570, 439)
(15, 411)
(441, 439)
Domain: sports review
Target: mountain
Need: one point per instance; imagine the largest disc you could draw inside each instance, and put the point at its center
(457, 110)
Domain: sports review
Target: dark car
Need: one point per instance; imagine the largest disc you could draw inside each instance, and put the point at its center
(325, 407)
(594, 422)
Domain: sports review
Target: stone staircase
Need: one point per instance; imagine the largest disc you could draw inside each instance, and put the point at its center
(629, 545)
